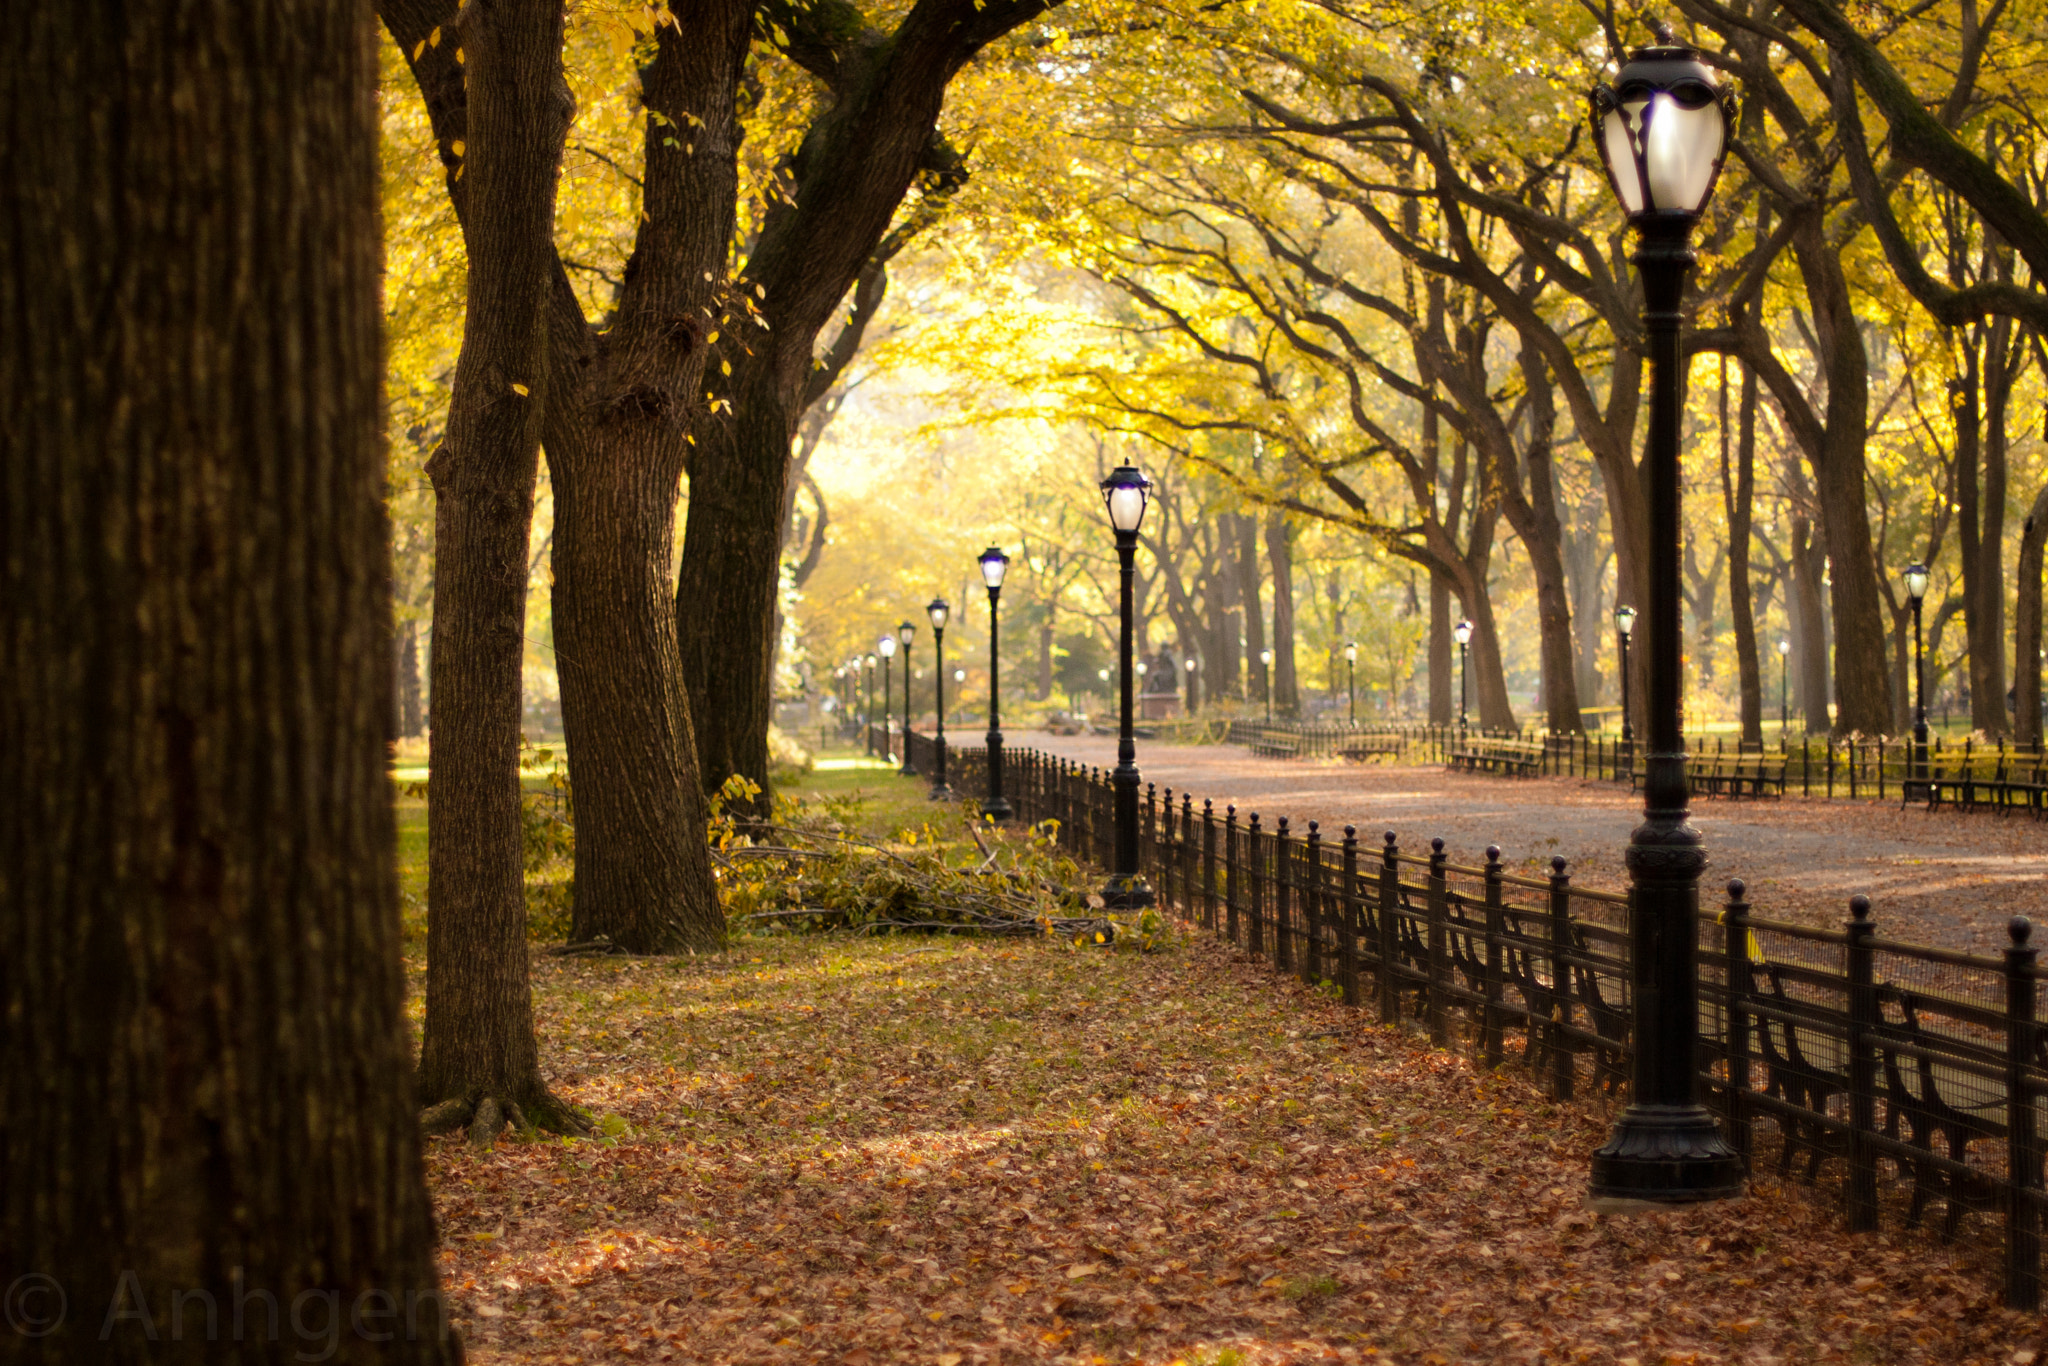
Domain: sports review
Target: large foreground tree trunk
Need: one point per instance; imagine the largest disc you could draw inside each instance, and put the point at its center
(1738, 492)
(502, 114)
(206, 1080)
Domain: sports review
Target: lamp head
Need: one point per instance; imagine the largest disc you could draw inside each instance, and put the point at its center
(906, 631)
(887, 645)
(1192, 662)
(1624, 619)
(1916, 582)
(1125, 493)
(1784, 647)
(959, 675)
(938, 609)
(871, 661)
(1350, 654)
(1662, 130)
(1265, 656)
(1462, 632)
(993, 564)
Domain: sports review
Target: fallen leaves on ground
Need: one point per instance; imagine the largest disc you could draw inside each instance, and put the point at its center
(858, 1151)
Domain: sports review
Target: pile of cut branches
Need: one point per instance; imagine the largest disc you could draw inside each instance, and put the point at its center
(807, 871)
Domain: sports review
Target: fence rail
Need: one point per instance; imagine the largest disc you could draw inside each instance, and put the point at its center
(1904, 1077)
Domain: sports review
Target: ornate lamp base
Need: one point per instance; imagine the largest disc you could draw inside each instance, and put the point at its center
(941, 793)
(998, 809)
(1665, 1155)
(1130, 893)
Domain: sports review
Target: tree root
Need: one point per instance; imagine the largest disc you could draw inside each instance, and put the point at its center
(487, 1116)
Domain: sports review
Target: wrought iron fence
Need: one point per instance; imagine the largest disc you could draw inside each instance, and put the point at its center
(1902, 1077)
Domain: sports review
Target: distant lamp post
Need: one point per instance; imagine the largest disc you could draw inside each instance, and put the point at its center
(1784, 690)
(938, 609)
(1662, 128)
(1266, 681)
(905, 633)
(1916, 577)
(1194, 696)
(867, 720)
(1351, 680)
(1624, 626)
(995, 806)
(1462, 633)
(886, 647)
(1124, 493)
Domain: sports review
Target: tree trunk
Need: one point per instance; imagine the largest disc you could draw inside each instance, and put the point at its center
(2026, 624)
(1258, 677)
(1980, 521)
(1280, 557)
(1738, 493)
(508, 100)
(1443, 680)
(412, 720)
(205, 1081)
(1809, 628)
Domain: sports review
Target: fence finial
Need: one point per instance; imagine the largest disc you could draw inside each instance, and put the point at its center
(1350, 832)
(1436, 845)
(2021, 929)
(1390, 839)
(1312, 827)
(1557, 864)
(1736, 888)
(1859, 906)
(1493, 853)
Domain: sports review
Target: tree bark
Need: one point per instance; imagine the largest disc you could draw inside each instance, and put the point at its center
(2026, 625)
(1257, 677)
(1280, 558)
(205, 1081)
(1443, 678)
(501, 114)
(412, 719)
(1982, 404)
(1809, 627)
(1738, 494)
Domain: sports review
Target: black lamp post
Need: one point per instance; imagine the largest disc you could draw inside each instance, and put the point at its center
(886, 647)
(994, 564)
(1784, 690)
(938, 609)
(1662, 128)
(1266, 681)
(1916, 591)
(1351, 680)
(1624, 626)
(1194, 697)
(1125, 493)
(1462, 633)
(905, 633)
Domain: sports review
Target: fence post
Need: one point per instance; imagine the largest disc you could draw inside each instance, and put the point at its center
(1283, 899)
(1148, 833)
(1496, 933)
(1390, 941)
(1736, 975)
(1255, 931)
(1187, 856)
(2023, 1142)
(1347, 919)
(1439, 892)
(1863, 1021)
(1562, 1074)
(1164, 853)
(1233, 872)
(1312, 904)
(1209, 864)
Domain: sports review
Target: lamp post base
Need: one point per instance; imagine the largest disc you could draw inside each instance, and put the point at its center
(1665, 1155)
(1127, 893)
(998, 809)
(940, 793)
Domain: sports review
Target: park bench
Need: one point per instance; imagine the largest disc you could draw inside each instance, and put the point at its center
(1727, 775)
(1276, 745)
(1518, 758)
(1972, 778)
(1371, 748)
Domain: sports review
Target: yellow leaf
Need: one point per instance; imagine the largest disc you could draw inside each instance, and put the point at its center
(457, 146)
(726, 366)
(458, 56)
(434, 38)
(520, 390)
(420, 49)
(457, 176)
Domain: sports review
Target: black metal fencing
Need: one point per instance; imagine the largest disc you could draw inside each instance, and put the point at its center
(1901, 1078)
(1993, 775)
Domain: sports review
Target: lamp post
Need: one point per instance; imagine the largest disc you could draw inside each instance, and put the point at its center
(1351, 680)
(886, 646)
(938, 609)
(1194, 698)
(1462, 633)
(1624, 626)
(1662, 128)
(994, 564)
(1916, 591)
(1124, 493)
(1266, 681)
(905, 633)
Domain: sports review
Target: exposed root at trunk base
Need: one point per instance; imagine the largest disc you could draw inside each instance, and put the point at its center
(486, 1116)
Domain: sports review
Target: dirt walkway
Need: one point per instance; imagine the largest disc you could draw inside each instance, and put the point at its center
(1943, 878)
(964, 1153)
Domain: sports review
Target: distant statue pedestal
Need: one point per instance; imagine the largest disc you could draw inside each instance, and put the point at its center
(1159, 699)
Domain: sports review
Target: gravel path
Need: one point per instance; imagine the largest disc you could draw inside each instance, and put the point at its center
(1934, 878)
